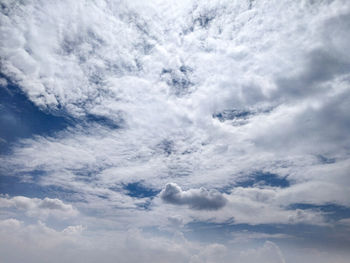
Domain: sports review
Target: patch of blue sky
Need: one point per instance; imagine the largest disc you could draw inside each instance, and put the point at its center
(263, 179)
(104, 121)
(232, 114)
(139, 190)
(257, 179)
(20, 118)
(15, 186)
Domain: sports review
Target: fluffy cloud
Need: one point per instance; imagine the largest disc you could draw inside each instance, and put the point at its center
(38, 242)
(199, 199)
(46, 243)
(41, 208)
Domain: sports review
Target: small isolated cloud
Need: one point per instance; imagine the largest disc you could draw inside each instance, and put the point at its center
(36, 207)
(199, 199)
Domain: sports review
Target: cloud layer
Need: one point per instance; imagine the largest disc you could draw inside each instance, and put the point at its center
(225, 113)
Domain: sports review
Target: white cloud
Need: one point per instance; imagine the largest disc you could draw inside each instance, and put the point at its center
(161, 70)
(10, 223)
(37, 242)
(269, 253)
(41, 208)
(45, 243)
(89, 65)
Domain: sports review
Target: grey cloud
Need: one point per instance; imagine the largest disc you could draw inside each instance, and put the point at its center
(329, 60)
(325, 126)
(320, 67)
(198, 199)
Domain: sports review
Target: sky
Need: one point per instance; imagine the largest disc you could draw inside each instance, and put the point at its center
(175, 131)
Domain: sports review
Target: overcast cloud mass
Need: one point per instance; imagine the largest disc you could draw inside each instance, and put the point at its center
(175, 131)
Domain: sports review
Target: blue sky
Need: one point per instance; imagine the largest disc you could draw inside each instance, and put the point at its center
(175, 131)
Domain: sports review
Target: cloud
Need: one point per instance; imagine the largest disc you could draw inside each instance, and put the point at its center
(198, 199)
(167, 76)
(199, 93)
(54, 204)
(211, 253)
(3, 82)
(269, 253)
(41, 208)
(45, 242)
(73, 230)
(76, 242)
(344, 221)
(10, 223)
